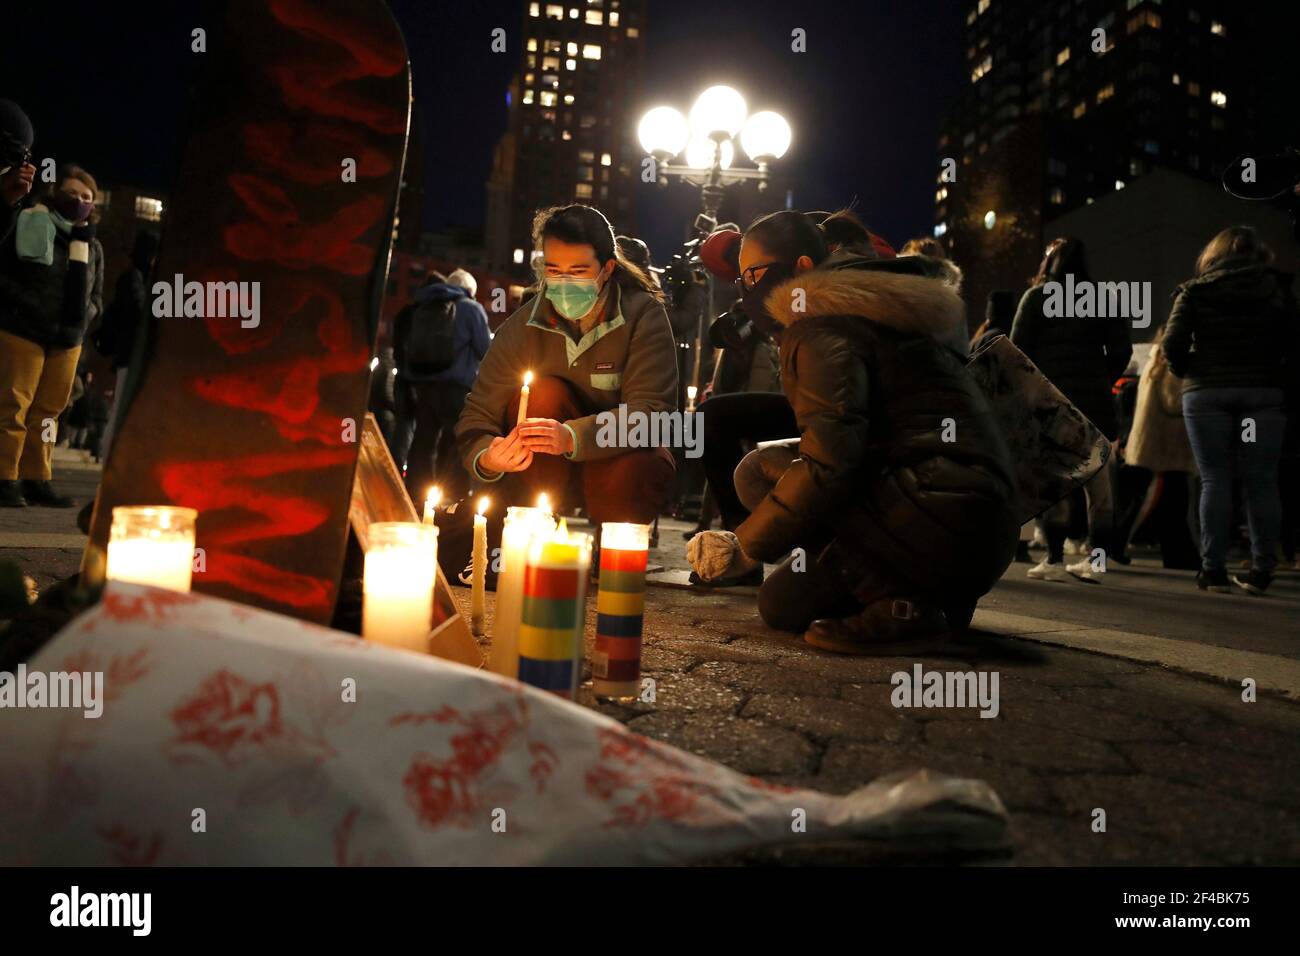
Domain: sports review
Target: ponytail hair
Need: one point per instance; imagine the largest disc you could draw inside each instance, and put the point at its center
(586, 225)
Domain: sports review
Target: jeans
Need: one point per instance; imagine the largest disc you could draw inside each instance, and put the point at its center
(729, 421)
(1241, 427)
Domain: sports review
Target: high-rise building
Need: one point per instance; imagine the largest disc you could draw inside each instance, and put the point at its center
(1072, 100)
(570, 134)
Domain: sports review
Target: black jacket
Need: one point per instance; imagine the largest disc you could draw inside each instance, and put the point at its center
(1235, 326)
(31, 295)
(902, 462)
(1082, 356)
(127, 314)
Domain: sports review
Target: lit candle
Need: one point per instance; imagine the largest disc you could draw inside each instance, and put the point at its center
(521, 526)
(544, 503)
(478, 570)
(431, 503)
(620, 610)
(401, 566)
(523, 398)
(554, 612)
(152, 546)
(691, 392)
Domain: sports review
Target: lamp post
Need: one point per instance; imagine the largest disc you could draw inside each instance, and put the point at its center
(707, 142)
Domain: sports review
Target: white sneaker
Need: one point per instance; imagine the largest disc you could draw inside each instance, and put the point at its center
(1075, 546)
(1084, 571)
(1048, 572)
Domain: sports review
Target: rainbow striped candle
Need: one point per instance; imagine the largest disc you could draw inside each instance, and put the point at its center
(620, 609)
(554, 612)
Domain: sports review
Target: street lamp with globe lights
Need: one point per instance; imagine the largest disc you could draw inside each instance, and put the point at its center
(718, 128)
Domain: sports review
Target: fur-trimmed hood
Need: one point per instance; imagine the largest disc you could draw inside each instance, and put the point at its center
(917, 297)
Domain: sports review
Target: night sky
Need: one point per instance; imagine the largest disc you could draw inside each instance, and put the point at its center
(864, 102)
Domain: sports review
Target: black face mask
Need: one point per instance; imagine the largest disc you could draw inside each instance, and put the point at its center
(753, 299)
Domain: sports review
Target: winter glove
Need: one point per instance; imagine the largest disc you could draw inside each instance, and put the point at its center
(717, 554)
(76, 282)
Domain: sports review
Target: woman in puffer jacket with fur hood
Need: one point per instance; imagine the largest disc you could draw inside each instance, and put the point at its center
(894, 514)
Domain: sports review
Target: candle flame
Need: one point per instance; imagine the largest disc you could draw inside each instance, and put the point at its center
(482, 506)
(544, 502)
(691, 392)
(528, 379)
(434, 496)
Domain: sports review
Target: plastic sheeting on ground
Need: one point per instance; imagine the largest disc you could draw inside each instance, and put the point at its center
(240, 720)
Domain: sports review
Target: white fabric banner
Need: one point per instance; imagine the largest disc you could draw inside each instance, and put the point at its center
(230, 735)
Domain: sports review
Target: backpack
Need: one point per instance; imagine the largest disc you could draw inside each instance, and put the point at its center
(431, 340)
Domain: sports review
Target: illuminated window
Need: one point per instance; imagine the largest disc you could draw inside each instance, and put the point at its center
(582, 190)
(528, 79)
(532, 44)
(1079, 109)
(566, 136)
(940, 229)
(554, 11)
(570, 64)
(572, 50)
(552, 46)
(586, 156)
(550, 63)
(1057, 195)
(547, 98)
(606, 159)
(591, 51)
(980, 71)
(534, 10)
(528, 97)
(633, 33)
(585, 174)
(573, 13)
(519, 256)
(983, 5)
(613, 18)
(1106, 92)
(1218, 98)
(568, 99)
(1146, 18)
(970, 18)
(1177, 80)
(148, 208)
(941, 194)
(1218, 29)
(1063, 56)
(595, 17)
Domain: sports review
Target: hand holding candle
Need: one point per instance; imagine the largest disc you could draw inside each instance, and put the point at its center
(478, 570)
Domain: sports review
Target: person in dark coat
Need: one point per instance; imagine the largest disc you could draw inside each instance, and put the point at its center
(432, 403)
(898, 512)
(1082, 357)
(1232, 339)
(16, 170)
(126, 316)
(51, 290)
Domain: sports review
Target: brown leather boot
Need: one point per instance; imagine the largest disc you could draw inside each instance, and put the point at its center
(887, 625)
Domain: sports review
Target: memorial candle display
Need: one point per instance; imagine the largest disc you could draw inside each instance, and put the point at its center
(478, 570)
(152, 545)
(431, 504)
(401, 567)
(554, 612)
(620, 609)
(523, 398)
(521, 526)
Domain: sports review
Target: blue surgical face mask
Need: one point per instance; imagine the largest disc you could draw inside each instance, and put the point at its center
(572, 296)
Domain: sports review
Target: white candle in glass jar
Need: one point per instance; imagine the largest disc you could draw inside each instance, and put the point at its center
(401, 567)
(152, 545)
